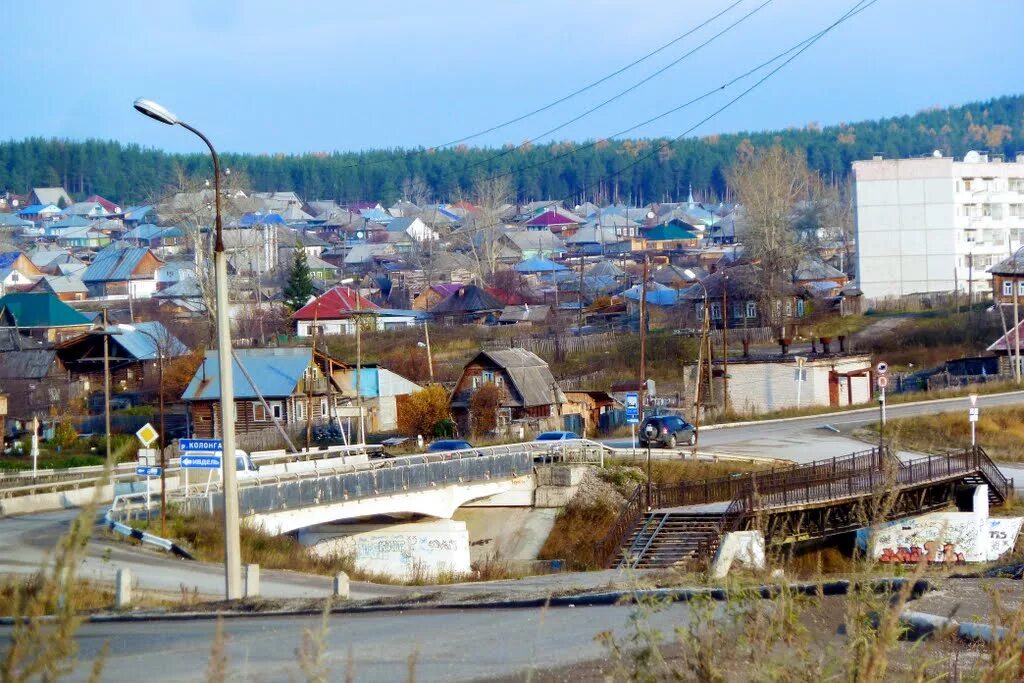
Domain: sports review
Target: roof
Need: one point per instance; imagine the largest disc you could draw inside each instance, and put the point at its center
(468, 299)
(62, 284)
(51, 195)
(276, 372)
(337, 302)
(549, 218)
(38, 309)
(530, 376)
(110, 206)
(33, 209)
(526, 240)
(446, 289)
(655, 297)
(605, 269)
(537, 264)
(1014, 265)
(671, 231)
(9, 220)
(147, 339)
(43, 257)
(114, 265)
(8, 258)
(30, 364)
(525, 313)
(811, 268)
(1008, 341)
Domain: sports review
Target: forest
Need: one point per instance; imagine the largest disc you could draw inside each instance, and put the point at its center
(629, 170)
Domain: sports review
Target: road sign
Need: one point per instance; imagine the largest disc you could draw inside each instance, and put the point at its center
(147, 435)
(632, 408)
(974, 399)
(147, 457)
(881, 367)
(200, 445)
(148, 471)
(800, 361)
(200, 462)
(882, 382)
(972, 415)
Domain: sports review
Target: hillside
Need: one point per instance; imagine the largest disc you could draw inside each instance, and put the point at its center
(609, 169)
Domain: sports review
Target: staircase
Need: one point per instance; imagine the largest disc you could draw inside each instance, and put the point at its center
(665, 538)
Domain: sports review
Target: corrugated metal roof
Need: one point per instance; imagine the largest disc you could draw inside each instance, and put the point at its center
(275, 371)
(530, 376)
(38, 309)
(31, 364)
(141, 342)
(114, 265)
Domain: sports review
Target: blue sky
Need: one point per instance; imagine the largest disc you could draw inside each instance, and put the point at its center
(312, 75)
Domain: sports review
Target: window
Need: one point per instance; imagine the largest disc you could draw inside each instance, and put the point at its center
(800, 308)
(488, 376)
(300, 409)
(789, 307)
(1015, 184)
(986, 209)
(275, 409)
(323, 407)
(967, 184)
(1007, 288)
(259, 412)
(1016, 210)
(751, 309)
(1020, 287)
(716, 311)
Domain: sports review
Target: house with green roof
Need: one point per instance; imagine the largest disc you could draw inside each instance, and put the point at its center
(41, 315)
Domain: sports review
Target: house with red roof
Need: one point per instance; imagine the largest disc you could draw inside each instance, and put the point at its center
(555, 221)
(337, 311)
(110, 206)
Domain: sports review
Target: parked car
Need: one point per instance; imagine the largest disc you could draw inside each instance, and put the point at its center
(448, 445)
(557, 436)
(670, 431)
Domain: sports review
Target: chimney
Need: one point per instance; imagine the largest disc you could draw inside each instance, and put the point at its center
(877, 157)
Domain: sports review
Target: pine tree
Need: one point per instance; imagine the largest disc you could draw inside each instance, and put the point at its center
(299, 286)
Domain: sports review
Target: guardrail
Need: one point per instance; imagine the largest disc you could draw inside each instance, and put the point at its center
(124, 503)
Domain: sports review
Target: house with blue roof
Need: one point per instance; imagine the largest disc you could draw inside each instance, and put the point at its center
(135, 354)
(122, 273)
(288, 386)
(39, 212)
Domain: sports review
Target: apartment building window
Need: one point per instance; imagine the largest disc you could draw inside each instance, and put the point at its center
(1015, 184)
(1016, 210)
(1007, 288)
(986, 209)
(968, 183)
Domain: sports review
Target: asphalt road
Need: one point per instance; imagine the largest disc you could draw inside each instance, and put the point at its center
(449, 645)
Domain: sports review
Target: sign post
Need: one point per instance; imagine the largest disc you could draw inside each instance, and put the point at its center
(801, 376)
(633, 415)
(882, 383)
(147, 460)
(972, 417)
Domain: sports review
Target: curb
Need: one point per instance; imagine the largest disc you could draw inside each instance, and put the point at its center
(593, 599)
(855, 411)
(922, 625)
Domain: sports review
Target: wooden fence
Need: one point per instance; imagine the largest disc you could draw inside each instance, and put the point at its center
(557, 345)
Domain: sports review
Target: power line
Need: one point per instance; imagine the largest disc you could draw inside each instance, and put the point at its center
(625, 92)
(797, 49)
(566, 98)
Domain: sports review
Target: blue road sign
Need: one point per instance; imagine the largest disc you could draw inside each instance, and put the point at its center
(148, 471)
(200, 445)
(632, 408)
(200, 462)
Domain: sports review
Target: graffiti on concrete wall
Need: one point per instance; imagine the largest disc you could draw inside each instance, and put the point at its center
(405, 551)
(943, 538)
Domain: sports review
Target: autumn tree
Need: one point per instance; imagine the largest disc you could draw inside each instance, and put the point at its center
(770, 184)
(483, 408)
(422, 412)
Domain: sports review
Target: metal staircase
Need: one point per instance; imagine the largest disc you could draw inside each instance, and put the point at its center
(665, 538)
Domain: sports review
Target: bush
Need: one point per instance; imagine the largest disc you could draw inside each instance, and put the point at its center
(483, 408)
(64, 436)
(423, 411)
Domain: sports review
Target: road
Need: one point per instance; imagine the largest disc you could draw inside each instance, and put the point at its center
(805, 439)
(449, 645)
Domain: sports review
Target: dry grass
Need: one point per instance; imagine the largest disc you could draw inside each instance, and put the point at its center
(1000, 431)
(86, 596)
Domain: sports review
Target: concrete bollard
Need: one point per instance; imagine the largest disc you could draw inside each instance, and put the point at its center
(123, 589)
(341, 585)
(252, 581)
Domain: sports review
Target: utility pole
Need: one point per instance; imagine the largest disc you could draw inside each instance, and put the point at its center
(106, 379)
(430, 357)
(359, 364)
(643, 340)
(579, 299)
(725, 343)
(1016, 330)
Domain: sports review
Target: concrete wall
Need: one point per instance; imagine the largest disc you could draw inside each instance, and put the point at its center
(762, 387)
(405, 551)
(944, 537)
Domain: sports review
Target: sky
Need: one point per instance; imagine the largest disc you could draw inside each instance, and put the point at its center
(322, 75)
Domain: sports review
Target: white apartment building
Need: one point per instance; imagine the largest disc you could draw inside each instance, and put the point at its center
(933, 223)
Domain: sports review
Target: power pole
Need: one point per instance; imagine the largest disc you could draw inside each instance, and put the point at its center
(725, 344)
(1016, 330)
(643, 339)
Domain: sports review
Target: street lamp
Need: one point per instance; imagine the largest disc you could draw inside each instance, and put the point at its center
(232, 544)
(700, 359)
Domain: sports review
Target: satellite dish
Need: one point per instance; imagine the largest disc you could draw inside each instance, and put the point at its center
(972, 157)
(650, 214)
(937, 154)
(360, 235)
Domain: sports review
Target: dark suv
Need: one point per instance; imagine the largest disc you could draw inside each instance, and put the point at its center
(670, 429)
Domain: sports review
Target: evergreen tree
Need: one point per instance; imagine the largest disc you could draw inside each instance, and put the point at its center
(299, 286)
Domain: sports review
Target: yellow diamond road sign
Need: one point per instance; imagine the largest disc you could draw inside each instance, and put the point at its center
(147, 435)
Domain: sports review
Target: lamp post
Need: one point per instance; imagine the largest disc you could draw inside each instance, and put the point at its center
(232, 544)
(700, 360)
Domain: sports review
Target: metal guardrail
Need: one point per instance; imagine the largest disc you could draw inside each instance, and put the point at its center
(124, 505)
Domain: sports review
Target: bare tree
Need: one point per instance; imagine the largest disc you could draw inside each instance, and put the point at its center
(482, 231)
(416, 190)
(769, 185)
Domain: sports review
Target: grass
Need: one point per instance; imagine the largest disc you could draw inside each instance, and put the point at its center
(85, 453)
(87, 596)
(1000, 431)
